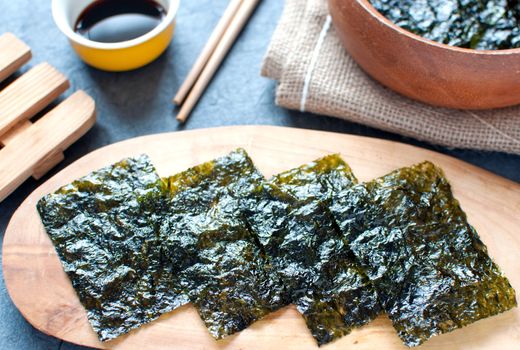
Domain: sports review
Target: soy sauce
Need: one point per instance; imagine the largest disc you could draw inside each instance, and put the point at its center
(110, 21)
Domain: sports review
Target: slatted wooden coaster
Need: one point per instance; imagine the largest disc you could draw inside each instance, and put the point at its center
(27, 148)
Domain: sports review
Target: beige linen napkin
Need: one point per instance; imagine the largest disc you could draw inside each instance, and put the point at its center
(316, 74)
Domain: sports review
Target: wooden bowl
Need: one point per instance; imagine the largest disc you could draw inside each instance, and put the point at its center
(422, 69)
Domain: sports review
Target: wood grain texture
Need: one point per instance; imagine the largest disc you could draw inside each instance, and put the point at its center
(14, 53)
(422, 69)
(34, 149)
(42, 292)
(42, 141)
(29, 94)
(46, 164)
(15, 132)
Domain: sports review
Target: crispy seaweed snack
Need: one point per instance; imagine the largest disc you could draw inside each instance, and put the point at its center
(475, 24)
(428, 265)
(224, 268)
(104, 229)
(291, 218)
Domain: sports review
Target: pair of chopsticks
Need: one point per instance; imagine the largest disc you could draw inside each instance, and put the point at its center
(218, 45)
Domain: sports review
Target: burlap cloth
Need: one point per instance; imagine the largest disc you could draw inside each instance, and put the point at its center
(316, 74)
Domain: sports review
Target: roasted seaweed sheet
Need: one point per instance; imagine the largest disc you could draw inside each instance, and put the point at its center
(104, 229)
(428, 265)
(224, 269)
(238, 247)
(290, 216)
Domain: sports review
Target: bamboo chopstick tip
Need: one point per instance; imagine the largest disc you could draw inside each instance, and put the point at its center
(215, 58)
(207, 51)
(177, 101)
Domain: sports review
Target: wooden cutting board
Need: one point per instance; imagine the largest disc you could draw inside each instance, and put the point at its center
(43, 294)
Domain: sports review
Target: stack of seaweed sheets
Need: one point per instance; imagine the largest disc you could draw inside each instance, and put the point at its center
(239, 246)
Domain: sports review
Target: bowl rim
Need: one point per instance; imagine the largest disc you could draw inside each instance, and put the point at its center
(371, 10)
(66, 29)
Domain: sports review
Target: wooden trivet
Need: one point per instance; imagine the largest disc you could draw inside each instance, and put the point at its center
(33, 148)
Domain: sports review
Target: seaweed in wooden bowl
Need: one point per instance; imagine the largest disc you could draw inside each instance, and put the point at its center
(439, 52)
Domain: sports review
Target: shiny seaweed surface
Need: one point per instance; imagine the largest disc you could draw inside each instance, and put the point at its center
(136, 246)
(225, 271)
(428, 265)
(476, 24)
(239, 247)
(291, 219)
(104, 228)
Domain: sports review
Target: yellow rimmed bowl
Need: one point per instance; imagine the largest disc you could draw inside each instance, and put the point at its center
(121, 56)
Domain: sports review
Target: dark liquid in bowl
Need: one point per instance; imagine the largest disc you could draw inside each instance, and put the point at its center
(111, 21)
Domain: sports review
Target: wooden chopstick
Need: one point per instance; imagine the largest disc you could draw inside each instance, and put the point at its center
(235, 27)
(210, 46)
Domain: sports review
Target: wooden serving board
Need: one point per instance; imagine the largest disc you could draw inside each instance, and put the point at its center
(43, 294)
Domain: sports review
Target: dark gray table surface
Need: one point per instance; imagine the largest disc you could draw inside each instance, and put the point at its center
(138, 103)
